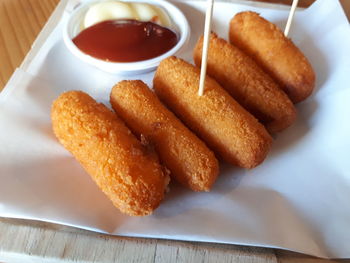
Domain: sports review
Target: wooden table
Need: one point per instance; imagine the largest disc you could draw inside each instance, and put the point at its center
(30, 241)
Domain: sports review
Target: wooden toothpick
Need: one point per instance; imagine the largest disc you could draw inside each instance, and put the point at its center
(207, 27)
(290, 18)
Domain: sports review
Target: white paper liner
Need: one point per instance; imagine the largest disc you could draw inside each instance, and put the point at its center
(298, 199)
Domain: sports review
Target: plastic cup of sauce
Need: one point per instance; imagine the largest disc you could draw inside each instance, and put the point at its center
(126, 37)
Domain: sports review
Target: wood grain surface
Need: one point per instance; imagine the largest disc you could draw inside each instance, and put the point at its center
(20, 23)
(31, 241)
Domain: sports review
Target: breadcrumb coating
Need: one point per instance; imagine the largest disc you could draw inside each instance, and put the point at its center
(126, 172)
(247, 83)
(276, 54)
(189, 160)
(215, 117)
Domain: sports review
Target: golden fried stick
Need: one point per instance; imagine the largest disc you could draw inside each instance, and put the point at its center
(275, 53)
(187, 157)
(126, 172)
(247, 83)
(215, 117)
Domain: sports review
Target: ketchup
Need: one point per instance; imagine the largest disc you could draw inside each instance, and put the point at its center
(125, 40)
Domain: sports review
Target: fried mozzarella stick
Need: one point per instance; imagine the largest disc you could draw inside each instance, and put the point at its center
(276, 54)
(247, 83)
(215, 117)
(126, 172)
(189, 160)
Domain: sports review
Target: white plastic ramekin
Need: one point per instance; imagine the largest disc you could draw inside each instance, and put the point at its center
(73, 28)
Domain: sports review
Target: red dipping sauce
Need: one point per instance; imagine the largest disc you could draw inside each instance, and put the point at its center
(125, 40)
